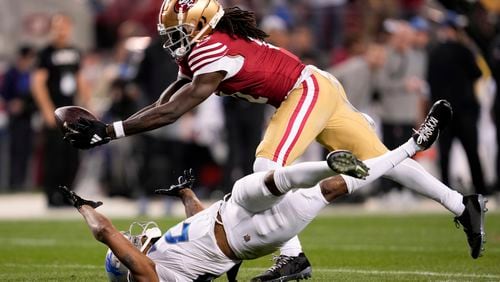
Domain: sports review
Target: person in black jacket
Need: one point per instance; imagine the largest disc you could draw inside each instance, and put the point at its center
(57, 82)
(452, 73)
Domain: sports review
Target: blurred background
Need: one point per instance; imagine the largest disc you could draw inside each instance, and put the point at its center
(393, 57)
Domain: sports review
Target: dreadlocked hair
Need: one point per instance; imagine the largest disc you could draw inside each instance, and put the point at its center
(240, 23)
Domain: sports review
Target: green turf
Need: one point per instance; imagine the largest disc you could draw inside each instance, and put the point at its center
(348, 248)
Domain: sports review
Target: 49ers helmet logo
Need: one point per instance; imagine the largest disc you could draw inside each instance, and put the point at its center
(183, 5)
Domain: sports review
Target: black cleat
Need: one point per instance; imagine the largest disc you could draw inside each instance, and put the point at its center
(286, 268)
(472, 220)
(437, 119)
(184, 182)
(76, 200)
(344, 162)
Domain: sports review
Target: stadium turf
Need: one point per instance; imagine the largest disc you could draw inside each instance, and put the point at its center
(341, 248)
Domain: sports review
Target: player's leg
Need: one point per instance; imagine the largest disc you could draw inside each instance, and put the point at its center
(295, 124)
(140, 266)
(302, 205)
(340, 133)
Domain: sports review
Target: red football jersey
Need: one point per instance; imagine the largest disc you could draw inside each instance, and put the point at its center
(256, 71)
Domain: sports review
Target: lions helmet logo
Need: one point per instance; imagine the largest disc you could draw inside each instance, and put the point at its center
(183, 5)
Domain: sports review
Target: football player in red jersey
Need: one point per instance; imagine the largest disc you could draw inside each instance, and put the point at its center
(222, 51)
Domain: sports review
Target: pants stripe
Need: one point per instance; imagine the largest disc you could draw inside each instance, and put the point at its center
(298, 120)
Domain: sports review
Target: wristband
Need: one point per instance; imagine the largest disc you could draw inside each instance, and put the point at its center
(119, 131)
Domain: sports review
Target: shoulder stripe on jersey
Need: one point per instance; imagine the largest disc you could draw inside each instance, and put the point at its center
(201, 49)
(203, 56)
(207, 61)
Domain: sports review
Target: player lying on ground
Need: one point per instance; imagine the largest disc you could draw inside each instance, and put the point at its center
(222, 51)
(260, 214)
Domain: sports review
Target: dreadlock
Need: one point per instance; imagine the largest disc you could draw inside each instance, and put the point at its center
(240, 23)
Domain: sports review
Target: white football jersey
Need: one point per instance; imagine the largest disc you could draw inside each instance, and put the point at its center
(188, 251)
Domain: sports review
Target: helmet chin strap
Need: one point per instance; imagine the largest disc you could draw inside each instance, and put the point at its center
(180, 52)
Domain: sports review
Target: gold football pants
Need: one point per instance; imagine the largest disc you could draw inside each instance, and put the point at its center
(318, 110)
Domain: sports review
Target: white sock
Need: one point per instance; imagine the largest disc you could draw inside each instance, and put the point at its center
(292, 247)
(412, 175)
(301, 175)
(380, 165)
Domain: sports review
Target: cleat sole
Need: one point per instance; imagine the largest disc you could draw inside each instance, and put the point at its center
(305, 274)
(482, 203)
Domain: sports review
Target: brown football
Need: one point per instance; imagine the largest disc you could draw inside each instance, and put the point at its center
(70, 114)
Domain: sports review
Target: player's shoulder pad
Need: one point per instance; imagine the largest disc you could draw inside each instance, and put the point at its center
(208, 50)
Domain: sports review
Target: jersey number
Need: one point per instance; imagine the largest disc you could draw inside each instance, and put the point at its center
(181, 238)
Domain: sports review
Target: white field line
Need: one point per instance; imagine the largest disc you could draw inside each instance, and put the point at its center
(323, 270)
(52, 266)
(417, 249)
(41, 242)
(394, 272)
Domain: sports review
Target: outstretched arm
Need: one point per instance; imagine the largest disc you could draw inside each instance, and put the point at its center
(186, 98)
(140, 266)
(85, 134)
(192, 205)
(165, 96)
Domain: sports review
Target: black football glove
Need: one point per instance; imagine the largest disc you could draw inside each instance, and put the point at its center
(86, 133)
(76, 200)
(184, 181)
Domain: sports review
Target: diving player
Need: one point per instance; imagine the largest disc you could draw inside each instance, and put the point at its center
(222, 51)
(264, 210)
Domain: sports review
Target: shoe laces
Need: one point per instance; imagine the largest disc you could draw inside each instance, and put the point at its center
(279, 261)
(457, 223)
(426, 130)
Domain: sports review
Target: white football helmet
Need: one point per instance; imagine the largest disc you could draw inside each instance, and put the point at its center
(182, 23)
(149, 234)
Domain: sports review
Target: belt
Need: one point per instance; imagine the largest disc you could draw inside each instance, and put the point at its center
(221, 238)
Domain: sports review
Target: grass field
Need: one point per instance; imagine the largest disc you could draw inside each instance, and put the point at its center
(341, 248)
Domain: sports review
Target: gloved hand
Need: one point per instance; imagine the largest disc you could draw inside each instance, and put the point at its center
(76, 200)
(184, 181)
(86, 133)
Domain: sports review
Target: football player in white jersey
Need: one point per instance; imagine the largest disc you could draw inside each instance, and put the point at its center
(264, 210)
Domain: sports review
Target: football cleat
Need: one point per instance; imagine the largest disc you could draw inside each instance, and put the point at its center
(472, 220)
(286, 268)
(344, 162)
(437, 119)
(184, 181)
(76, 200)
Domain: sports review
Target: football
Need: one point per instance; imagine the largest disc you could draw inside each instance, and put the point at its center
(70, 114)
